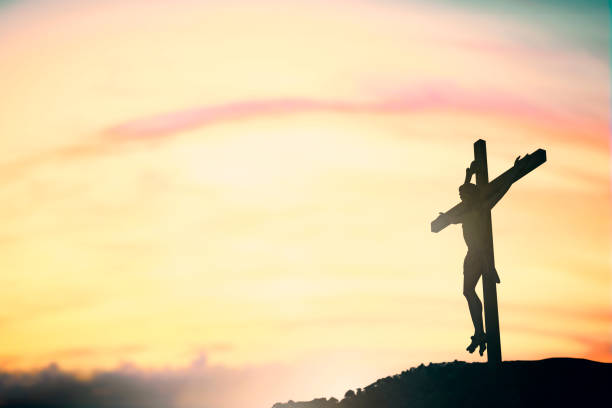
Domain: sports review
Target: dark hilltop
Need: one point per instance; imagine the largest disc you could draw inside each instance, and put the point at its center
(554, 382)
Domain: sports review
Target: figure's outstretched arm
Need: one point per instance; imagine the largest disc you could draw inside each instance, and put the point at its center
(451, 219)
(505, 185)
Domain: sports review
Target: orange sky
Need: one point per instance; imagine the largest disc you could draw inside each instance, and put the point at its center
(255, 182)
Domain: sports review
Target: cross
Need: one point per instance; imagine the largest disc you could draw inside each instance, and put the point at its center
(489, 191)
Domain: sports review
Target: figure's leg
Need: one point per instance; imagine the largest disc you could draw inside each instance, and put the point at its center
(471, 274)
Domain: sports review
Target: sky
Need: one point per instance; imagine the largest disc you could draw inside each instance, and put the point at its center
(230, 201)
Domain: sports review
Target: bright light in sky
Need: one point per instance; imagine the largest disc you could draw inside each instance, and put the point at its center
(254, 182)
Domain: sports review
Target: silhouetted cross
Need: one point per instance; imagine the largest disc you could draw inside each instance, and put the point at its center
(490, 192)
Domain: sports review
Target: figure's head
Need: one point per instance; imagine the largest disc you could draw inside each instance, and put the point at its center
(468, 192)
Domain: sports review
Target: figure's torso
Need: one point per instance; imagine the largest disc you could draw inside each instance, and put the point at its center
(473, 229)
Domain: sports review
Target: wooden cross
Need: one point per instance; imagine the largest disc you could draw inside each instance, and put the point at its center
(489, 280)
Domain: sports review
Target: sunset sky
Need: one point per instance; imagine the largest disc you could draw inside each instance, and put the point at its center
(237, 194)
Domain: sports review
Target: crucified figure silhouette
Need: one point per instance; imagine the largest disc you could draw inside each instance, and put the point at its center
(477, 262)
(474, 213)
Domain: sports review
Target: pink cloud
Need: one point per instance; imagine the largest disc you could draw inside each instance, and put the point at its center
(437, 98)
(426, 99)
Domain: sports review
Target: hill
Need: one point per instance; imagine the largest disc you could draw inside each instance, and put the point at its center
(555, 382)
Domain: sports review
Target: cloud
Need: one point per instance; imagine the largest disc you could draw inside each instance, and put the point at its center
(440, 98)
(52, 387)
(87, 149)
(198, 385)
(426, 99)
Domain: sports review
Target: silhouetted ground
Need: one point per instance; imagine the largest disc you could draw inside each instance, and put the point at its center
(555, 382)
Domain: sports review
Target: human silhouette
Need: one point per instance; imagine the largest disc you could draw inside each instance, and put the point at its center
(476, 261)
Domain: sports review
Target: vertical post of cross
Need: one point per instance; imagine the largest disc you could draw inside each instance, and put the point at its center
(489, 284)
